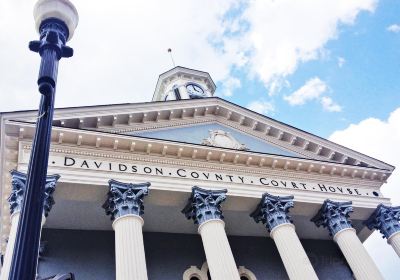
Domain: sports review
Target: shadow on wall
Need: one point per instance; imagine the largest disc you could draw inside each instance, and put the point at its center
(90, 255)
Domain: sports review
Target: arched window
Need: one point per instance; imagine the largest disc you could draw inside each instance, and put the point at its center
(193, 273)
(246, 274)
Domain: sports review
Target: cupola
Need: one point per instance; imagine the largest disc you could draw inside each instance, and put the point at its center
(183, 83)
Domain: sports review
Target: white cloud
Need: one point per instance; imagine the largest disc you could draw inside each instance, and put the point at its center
(311, 90)
(395, 28)
(284, 33)
(329, 105)
(341, 61)
(379, 139)
(261, 106)
(229, 85)
(121, 49)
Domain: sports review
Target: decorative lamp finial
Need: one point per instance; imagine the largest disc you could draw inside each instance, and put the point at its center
(62, 10)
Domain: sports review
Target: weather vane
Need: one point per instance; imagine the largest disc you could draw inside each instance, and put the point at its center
(170, 54)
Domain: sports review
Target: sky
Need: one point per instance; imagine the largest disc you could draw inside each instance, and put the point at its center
(327, 67)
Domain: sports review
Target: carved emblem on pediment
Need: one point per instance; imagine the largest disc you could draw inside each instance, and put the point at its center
(223, 139)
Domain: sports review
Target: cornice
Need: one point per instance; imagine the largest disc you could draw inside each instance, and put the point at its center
(154, 115)
(201, 153)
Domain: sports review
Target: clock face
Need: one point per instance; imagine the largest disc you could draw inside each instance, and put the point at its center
(194, 89)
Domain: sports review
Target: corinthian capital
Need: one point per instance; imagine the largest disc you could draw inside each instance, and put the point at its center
(273, 210)
(385, 219)
(204, 205)
(125, 198)
(334, 216)
(18, 188)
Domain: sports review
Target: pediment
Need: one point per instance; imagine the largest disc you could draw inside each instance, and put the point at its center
(215, 134)
(150, 118)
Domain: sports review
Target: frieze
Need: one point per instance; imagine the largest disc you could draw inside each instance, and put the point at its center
(154, 159)
(201, 175)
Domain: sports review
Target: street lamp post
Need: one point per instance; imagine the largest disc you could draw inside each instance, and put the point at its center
(56, 21)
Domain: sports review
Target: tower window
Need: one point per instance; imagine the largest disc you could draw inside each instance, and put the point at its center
(177, 94)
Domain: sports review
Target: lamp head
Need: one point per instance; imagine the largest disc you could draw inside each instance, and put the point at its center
(63, 10)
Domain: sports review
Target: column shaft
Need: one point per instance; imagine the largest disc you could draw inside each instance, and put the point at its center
(294, 258)
(394, 240)
(5, 271)
(356, 255)
(218, 252)
(129, 248)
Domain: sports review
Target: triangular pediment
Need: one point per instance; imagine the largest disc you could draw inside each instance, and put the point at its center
(182, 119)
(215, 134)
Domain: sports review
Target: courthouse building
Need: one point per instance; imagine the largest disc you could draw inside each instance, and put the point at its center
(191, 186)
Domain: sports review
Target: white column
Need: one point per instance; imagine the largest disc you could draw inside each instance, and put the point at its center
(218, 252)
(273, 211)
(204, 207)
(356, 255)
(16, 201)
(394, 240)
(335, 217)
(5, 271)
(125, 205)
(386, 220)
(294, 258)
(130, 258)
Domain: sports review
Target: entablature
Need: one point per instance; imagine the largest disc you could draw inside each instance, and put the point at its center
(256, 162)
(159, 115)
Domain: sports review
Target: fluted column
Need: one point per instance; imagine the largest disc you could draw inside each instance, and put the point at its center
(204, 207)
(386, 220)
(16, 199)
(335, 217)
(273, 212)
(125, 206)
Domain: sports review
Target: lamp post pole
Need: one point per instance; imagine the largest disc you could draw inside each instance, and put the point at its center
(56, 21)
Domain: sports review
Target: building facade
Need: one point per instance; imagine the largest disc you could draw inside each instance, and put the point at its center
(190, 186)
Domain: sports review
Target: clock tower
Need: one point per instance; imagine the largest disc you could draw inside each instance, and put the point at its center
(183, 83)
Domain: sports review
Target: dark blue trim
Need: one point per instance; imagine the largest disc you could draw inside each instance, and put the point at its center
(385, 219)
(51, 47)
(334, 216)
(125, 198)
(204, 205)
(273, 210)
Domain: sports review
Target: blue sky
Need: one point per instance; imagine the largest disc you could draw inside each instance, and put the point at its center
(366, 85)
